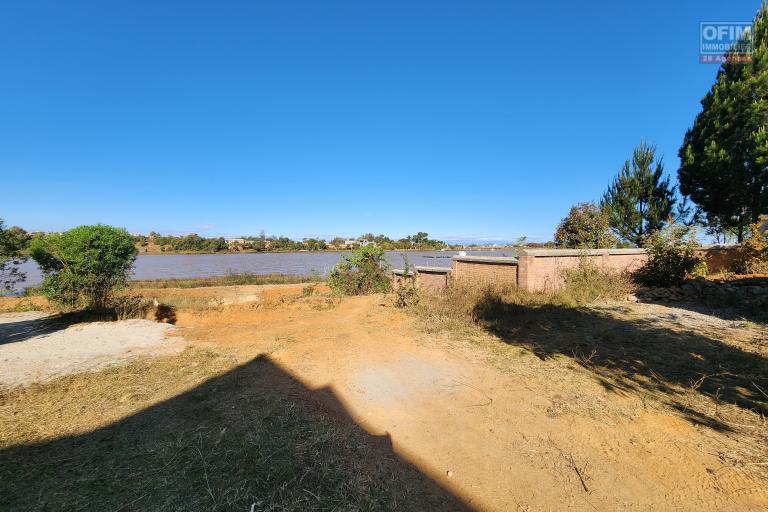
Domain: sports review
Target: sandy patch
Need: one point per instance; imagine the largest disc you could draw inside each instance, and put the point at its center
(31, 349)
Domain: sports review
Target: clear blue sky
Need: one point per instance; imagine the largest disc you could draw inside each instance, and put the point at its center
(475, 119)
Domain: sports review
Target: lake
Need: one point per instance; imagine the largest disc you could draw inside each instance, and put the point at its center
(303, 263)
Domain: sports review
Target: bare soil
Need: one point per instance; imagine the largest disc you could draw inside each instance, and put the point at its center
(35, 347)
(498, 426)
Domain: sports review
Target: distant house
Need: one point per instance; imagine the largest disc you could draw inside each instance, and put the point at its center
(236, 241)
(358, 242)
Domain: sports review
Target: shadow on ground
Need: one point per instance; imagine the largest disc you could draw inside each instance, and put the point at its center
(252, 439)
(636, 355)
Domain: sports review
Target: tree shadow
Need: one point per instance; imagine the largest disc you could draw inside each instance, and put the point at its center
(636, 355)
(254, 438)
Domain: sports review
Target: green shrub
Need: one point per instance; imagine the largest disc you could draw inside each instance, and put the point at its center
(364, 271)
(84, 266)
(672, 257)
(753, 253)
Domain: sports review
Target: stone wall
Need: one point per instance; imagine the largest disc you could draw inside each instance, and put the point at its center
(749, 292)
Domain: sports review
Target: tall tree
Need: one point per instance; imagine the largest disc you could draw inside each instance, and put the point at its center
(724, 156)
(640, 200)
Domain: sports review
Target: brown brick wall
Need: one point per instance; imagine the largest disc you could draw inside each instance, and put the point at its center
(545, 273)
(720, 258)
(432, 280)
(483, 273)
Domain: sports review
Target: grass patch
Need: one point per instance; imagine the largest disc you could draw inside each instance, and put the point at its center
(196, 432)
(23, 304)
(226, 280)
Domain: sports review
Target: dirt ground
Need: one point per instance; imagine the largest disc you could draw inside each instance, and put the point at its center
(35, 347)
(496, 424)
(525, 434)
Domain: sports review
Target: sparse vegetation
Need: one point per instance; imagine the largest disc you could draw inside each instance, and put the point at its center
(363, 272)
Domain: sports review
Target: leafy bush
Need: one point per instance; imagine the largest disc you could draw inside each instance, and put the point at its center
(585, 227)
(672, 257)
(753, 253)
(84, 266)
(364, 271)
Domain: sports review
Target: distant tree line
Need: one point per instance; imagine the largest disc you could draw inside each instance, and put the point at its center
(186, 243)
(196, 243)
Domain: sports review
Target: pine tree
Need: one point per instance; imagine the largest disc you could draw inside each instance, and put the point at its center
(640, 200)
(724, 156)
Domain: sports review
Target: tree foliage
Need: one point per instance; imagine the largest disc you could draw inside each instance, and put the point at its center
(364, 271)
(585, 227)
(84, 266)
(12, 241)
(640, 200)
(724, 156)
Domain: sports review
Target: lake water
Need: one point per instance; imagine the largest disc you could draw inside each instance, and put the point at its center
(302, 263)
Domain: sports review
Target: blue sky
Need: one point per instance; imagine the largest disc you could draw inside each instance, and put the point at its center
(476, 119)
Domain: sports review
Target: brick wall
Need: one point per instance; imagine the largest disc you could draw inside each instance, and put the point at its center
(479, 270)
(542, 269)
(433, 278)
(719, 257)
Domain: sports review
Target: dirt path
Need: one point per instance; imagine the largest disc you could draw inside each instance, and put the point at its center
(541, 438)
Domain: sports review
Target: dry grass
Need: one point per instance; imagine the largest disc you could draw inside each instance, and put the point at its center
(709, 371)
(194, 432)
(226, 280)
(22, 304)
